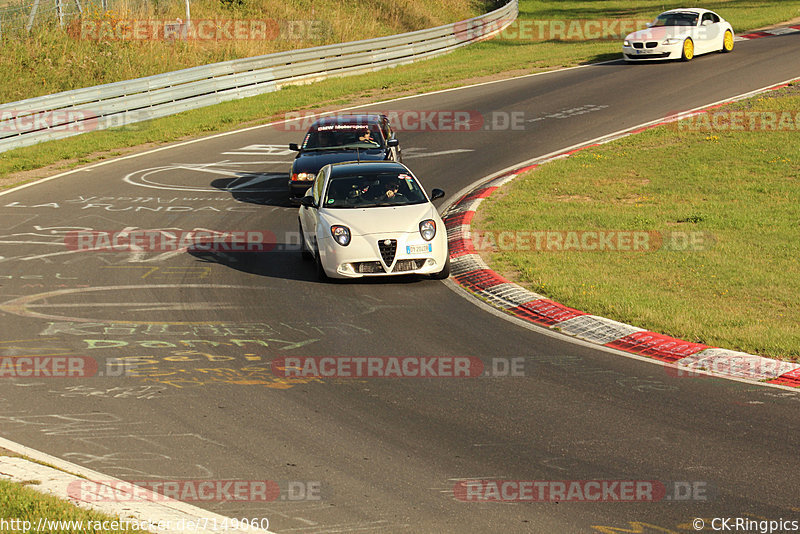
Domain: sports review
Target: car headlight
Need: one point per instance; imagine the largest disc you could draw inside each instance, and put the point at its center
(671, 41)
(427, 229)
(626, 43)
(302, 176)
(341, 234)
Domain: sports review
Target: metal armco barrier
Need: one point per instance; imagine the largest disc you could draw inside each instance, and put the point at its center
(34, 120)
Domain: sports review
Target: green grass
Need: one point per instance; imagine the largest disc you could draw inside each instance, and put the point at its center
(51, 59)
(739, 187)
(498, 58)
(22, 503)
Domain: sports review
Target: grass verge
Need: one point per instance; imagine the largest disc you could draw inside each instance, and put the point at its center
(96, 49)
(491, 59)
(736, 286)
(21, 506)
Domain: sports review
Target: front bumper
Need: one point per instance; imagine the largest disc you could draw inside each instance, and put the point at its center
(363, 256)
(658, 52)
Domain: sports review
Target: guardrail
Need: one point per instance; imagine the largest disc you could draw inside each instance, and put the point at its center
(60, 115)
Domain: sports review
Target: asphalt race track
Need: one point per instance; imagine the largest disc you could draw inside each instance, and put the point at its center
(386, 454)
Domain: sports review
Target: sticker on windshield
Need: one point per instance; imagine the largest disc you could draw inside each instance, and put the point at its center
(331, 200)
(409, 180)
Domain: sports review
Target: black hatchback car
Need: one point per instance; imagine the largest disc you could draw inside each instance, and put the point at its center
(357, 137)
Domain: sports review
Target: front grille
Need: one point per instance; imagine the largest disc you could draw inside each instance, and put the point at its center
(407, 265)
(651, 44)
(388, 248)
(638, 45)
(368, 267)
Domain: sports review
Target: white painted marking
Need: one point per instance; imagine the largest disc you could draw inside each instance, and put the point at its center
(413, 155)
(262, 150)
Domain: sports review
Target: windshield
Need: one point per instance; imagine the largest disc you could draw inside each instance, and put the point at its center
(328, 136)
(675, 19)
(373, 190)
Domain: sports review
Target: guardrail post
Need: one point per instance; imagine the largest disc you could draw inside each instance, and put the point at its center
(32, 15)
(60, 13)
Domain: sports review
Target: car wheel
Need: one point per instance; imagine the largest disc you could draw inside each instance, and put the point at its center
(688, 50)
(445, 272)
(727, 42)
(303, 248)
(321, 276)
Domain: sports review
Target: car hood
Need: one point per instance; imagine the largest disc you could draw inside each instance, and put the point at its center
(659, 34)
(313, 160)
(383, 220)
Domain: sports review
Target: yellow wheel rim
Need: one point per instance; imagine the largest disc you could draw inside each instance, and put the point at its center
(728, 41)
(688, 49)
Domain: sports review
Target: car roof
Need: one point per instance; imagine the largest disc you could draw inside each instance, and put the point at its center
(356, 118)
(366, 167)
(696, 10)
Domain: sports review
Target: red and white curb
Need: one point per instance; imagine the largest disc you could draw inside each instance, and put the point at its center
(768, 33)
(470, 272)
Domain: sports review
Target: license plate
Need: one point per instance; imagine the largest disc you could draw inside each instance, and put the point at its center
(418, 249)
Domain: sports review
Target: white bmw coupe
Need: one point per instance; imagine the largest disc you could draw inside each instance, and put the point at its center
(372, 218)
(679, 34)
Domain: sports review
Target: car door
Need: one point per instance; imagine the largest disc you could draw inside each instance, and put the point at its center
(709, 35)
(309, 216)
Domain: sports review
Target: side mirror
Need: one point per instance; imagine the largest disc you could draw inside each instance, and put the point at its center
(308, 202)
(293, 146)
(708, 22)
(437, 193)
(649, 24)
(393, 142)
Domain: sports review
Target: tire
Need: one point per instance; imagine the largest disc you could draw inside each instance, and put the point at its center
(727, 42)
(321, 276)
(445, 272)
(303, 249)
(688, 49)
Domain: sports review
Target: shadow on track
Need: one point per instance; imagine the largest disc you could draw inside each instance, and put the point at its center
(265, 189)
(278, 260)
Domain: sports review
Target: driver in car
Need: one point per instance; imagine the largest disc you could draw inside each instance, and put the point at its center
(391, 191)
(360, 189)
